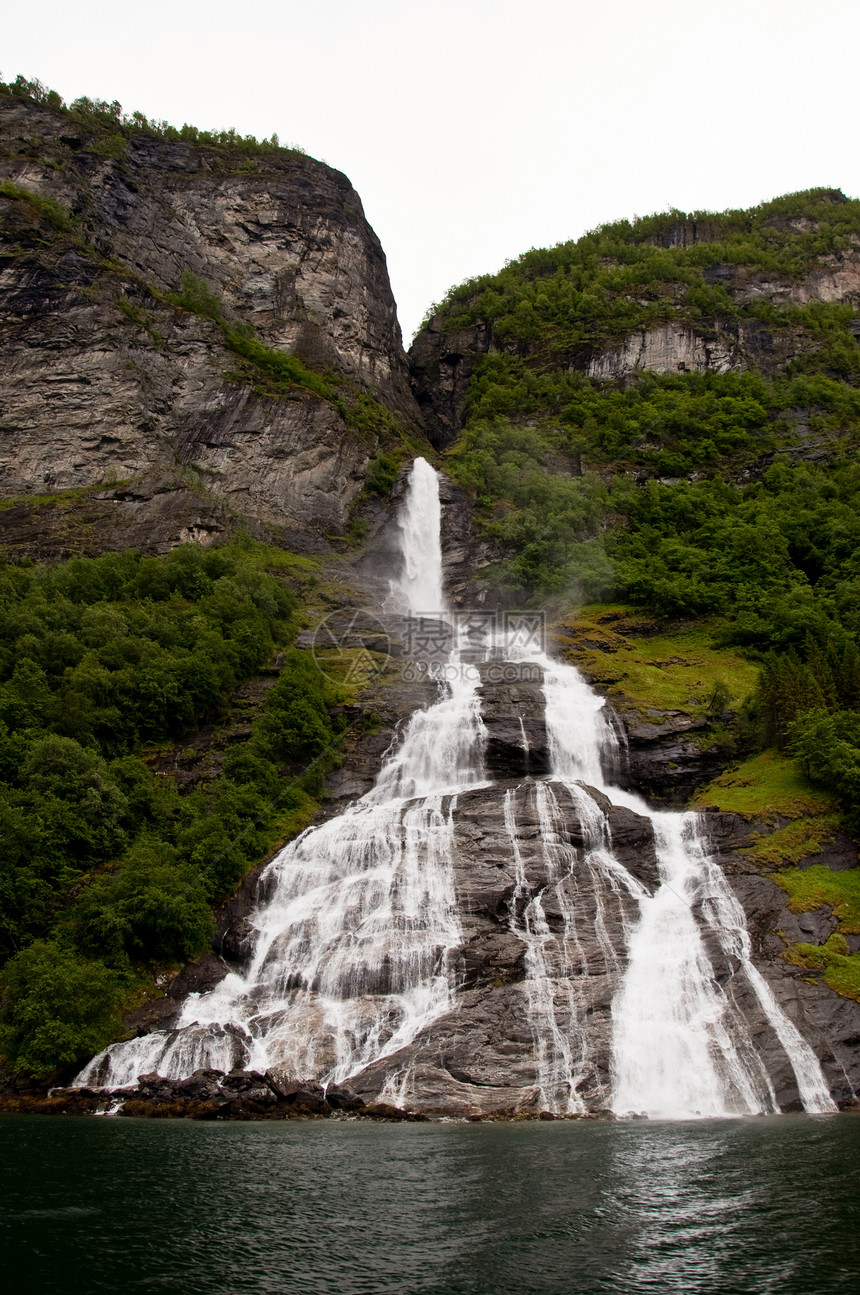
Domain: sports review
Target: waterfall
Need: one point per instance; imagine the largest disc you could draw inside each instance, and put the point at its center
(356, 942)
(675, 1050)
(681, 1047)
(353, 948)
(417, 587)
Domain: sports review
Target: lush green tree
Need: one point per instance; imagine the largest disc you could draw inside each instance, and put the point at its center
(57, 1008)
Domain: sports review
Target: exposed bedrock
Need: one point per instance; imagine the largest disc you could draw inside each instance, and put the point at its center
(104, 380)
(512, 708)
(665, 755)
(829, 1021)
(528, 1010)
(482, 1058)
(544, 932)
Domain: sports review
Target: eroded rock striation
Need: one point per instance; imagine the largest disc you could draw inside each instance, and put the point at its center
(110, 388)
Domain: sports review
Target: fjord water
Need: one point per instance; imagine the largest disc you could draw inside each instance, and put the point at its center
(734, 1207)
(356, 935)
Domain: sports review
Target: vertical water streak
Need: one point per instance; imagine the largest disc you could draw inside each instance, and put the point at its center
(417, 587)
(674, 1051)
(558, 1073)
(681, 1045)
(580, 737)
(726, 916)
(352, 952)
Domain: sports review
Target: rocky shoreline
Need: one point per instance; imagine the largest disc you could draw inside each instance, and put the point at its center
(248, 1095)
(245, 1095)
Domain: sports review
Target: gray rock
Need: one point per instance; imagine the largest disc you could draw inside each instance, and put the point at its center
(512, 708)
(105, 381)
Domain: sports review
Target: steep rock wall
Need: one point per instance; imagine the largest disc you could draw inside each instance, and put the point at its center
(104, 380)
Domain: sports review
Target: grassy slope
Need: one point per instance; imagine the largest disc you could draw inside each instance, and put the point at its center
(652, 665)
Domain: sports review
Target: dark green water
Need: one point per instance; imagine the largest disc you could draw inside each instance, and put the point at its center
(759, 1206)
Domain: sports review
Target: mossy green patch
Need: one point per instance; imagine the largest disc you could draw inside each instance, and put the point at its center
(61, 498)
(764, 786)
(349, 669)
(841, 968)
(283, 560)
(47, 208)
(143, 318)
(283, 375)
(678, 668)
(789, 844)
(809, 888)
(298, 815)
(275, 373)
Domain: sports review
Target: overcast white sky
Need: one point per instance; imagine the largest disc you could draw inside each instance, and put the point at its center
(475, 129)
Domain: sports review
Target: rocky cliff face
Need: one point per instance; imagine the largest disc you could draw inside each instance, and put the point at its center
(483, 1057)
(513, 1037)
(110, 389)
(533, 1002)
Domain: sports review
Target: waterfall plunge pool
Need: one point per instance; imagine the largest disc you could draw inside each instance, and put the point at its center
(729, 1206)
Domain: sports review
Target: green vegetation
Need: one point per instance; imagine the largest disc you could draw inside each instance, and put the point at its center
(680, 548)
(561, 303)
(764, 786)
(283, 375)
(108, 870)
(278, 371)
(684, 667)
(828, 748)
(690, 495)
(841, 967)
(809, 888)
(797, 840)
(53, 212)
(58, 1007)
(141, 317)
(382, 474)
(114, 128)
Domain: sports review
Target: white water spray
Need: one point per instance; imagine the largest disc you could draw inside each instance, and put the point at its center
(352, 954)
(681, 1047)
(354, 951)
(417, 588)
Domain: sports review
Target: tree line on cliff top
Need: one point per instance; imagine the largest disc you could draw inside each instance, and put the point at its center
(108, 119)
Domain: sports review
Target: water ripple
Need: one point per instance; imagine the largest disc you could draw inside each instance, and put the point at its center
(768, 1205)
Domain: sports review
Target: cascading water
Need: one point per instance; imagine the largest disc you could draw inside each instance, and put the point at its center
(681, 1047)
(355, 950)
(680, 1043)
